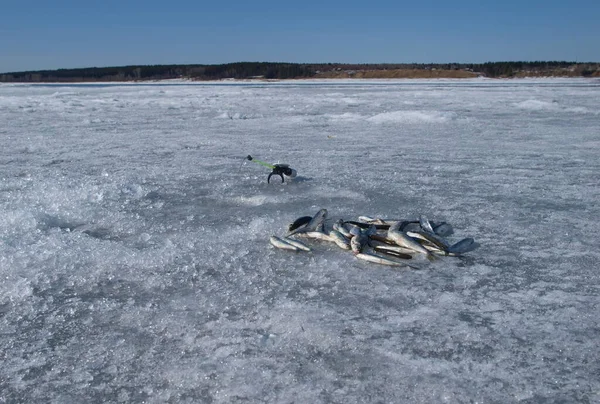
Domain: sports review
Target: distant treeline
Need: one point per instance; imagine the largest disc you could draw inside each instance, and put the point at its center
(512, 69)
(266, 70)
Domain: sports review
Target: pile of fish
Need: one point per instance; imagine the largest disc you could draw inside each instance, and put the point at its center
(382, 241)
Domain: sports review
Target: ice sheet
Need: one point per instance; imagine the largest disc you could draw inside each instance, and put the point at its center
(135, 263)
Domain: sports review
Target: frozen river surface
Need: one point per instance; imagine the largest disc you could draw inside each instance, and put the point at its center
(135, 264)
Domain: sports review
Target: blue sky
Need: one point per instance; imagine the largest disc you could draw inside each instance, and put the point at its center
(37, 35)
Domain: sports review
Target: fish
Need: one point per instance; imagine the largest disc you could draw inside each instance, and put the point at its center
(425, 224)
(398, 239)
(382, 224)
(355, 231)
(363, 225)
(297, 244)
(314, 224)
(403, 240)
(372, 220)
(431, 238)
(282, 244)
(367, 219)
(382, 239)
(340, 227)
(399, 252)
(318, 220)
(358, 242)
(339, 239)
(440, 228)
(301, 221)
(463, 246)
(380, 260)
(409, 225)
(370, 231)
(316, 235)
(433, 249)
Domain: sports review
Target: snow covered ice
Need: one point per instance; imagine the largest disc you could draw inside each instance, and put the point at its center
(135, 263)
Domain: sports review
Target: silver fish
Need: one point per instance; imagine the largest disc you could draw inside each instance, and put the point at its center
(317, 235)
(431, 238)
(340, 227)
(297, 244)
(403, 240)
(372, 220)
(280, 243)
(396, 251)
(358, 242)
(425, 225)
(433, 249)
(366, 219)
(316, 223)
(379, 260)
(339, 239)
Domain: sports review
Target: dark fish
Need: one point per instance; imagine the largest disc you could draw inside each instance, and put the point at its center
(314, 224)
(363, 225)
(409, 225)
(301, 221)
(381, 239)
(392, 251)
(463, 246)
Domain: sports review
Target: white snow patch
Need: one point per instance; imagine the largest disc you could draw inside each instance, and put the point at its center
(255, 200)
(411, 117)
(346, 116)
(537, 105)
(554, 105)
(238, 115)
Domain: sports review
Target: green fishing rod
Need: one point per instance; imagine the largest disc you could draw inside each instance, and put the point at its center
(278, 169)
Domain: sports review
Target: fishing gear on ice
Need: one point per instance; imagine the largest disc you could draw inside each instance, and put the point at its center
(278, 169)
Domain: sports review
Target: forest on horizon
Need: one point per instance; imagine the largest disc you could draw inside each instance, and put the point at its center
(282, 71)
